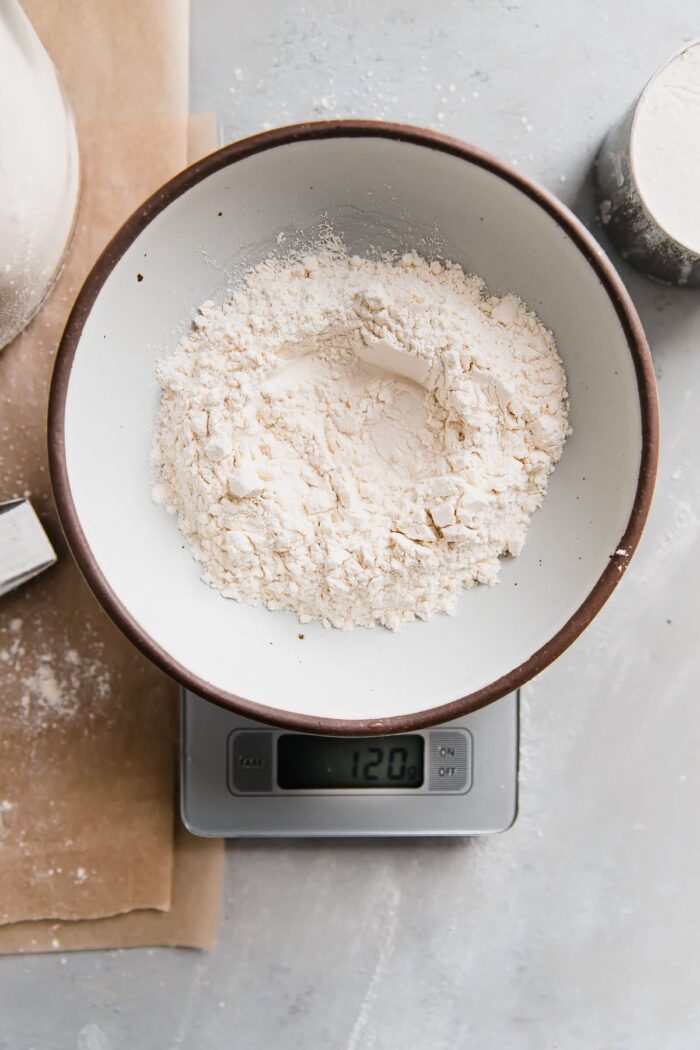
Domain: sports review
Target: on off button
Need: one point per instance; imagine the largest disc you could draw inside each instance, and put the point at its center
(449, 760)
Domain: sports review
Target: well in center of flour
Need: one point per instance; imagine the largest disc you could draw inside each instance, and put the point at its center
(358, 440)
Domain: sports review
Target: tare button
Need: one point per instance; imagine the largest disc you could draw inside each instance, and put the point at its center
(250, 762)
(449, 760)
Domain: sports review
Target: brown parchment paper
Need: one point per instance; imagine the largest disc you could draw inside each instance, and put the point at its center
(191, 922)
(87, 727)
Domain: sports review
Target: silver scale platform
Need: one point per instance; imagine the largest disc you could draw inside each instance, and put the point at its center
(240, 779)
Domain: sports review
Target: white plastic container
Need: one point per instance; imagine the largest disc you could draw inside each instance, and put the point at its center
(38, 172)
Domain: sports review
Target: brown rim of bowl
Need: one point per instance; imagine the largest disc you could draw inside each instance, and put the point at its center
(628, 319)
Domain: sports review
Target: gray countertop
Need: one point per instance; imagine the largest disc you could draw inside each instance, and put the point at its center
(579, 927)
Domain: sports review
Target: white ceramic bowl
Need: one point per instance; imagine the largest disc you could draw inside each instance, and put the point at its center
(384, 186)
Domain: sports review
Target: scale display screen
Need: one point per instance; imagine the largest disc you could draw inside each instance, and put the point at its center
(311, 763)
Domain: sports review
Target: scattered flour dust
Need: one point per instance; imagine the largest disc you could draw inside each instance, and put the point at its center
(358, 440)
(46, 680)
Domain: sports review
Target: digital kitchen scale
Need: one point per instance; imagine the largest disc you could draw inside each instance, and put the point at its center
(241, 779)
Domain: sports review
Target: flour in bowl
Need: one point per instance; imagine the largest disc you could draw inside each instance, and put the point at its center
(358, 440)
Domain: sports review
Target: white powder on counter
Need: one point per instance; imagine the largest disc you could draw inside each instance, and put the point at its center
(358, 440)
(6, 808)
(48, 683)
(665, 147)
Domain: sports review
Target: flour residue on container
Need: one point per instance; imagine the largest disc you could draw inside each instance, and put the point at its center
(665, 147)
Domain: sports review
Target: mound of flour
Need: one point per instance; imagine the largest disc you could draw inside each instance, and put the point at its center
(358, 440)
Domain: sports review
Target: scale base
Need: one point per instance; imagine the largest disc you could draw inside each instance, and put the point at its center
(210, 808)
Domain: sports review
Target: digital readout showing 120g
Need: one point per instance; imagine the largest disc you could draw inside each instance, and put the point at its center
(307, 763)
